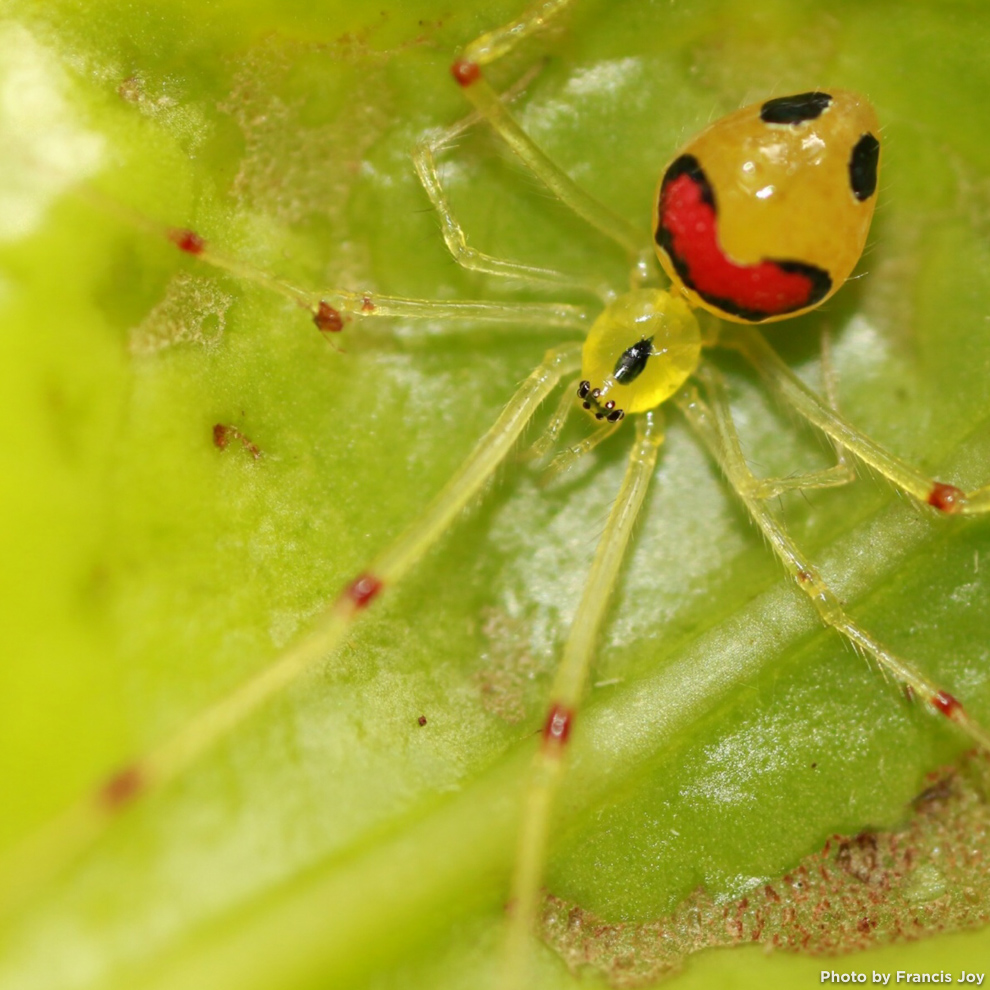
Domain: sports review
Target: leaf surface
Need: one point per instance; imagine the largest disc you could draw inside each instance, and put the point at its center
(332, 840)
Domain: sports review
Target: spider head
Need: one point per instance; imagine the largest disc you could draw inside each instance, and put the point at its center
(638, 352)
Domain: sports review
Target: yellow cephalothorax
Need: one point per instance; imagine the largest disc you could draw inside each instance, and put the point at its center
(765, 213)
(638, 352)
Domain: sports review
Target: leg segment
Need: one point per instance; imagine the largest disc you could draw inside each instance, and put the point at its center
(566, 459)
(714, 426)
(29, 866)
(547, 440)
(841, 473)
(331, 308)
(467, 71)
(945, 498)
(466, 256)
(565, 695)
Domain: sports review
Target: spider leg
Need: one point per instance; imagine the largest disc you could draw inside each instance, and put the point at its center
(568, 457)
(843, 472)
(844, 466)
(946, 498)
(546, 441)
(27, 867)
(331, 308)
(424, 160)
(565, 697)
(467, 70)
(713, 424)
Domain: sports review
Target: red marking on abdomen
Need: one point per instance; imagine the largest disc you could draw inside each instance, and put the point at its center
(362, 590)
(367, 306)
(557, 727)
(946, 498)
(328, 319)
(421, 720)
(121, 788)
(751, 291)
(947, 705)
(187, 240)
(465, 72)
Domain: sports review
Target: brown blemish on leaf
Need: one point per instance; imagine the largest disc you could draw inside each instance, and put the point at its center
(192, 311)
(303, 154)
(163, 99)
(860, 858)
(509, 667)
(131, 90)
(299, 163)
(302, 157)
(224, 434)
(858, 892)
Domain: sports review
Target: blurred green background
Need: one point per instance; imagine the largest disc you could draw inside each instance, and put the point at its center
(332, 841)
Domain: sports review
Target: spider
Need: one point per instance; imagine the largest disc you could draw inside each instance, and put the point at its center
(123, 786)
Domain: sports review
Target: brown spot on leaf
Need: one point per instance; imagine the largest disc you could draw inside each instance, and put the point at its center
(328, 319)
(131, 90)
(224, 434)
(860, 857)
(509, 666)
(857, 892)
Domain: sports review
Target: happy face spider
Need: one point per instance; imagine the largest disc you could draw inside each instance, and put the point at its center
(125, 785)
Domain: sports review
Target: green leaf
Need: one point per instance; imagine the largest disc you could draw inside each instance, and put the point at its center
(332, 840)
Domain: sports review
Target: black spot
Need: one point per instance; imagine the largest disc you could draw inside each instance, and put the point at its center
(794, 109)
(863, 167)
(632, 361)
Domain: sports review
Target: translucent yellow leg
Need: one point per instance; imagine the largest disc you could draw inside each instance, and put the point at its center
(566, 459)
(841, 473)
(565, 695)
(331, 308)
(714, 426)
(27, 867)
(831, 477)
(547, 440)
(945, 498)
(424, 160)
(467, 71)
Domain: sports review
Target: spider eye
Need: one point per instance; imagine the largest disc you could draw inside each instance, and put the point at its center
(632, 361)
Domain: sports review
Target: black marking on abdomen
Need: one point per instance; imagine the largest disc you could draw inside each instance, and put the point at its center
(863, 167)
(795, 109)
